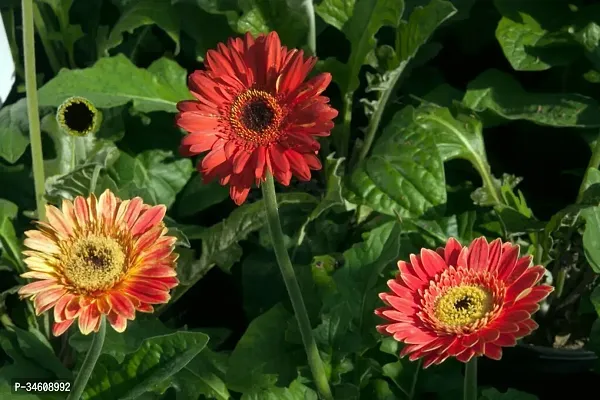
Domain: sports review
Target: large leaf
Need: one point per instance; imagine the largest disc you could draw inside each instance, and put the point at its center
(9, 243)
(115, 81)
(151, 365)
(118, 345)
(21, 367)
(14, 130)
(262, 357)
(348, 318)
(203, 375)
(68, 34)
(404, 174)
(154, 173)
(36, 347)
(142, 13)
(500, 93)
(285, 17)
(529, 34)
(459, 137)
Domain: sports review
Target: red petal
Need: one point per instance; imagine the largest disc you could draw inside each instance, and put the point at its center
(38, 286)
(88, 319)
(492, 351)
(148, 295)
(469, 340)
(202, 127)
(59, 308)
(432, 262)
(156, 272)
(403, 305)
(466, 355)
(507, 261)
(47, 299)
(400, 289)
(526, 281)
(494, 256)
(122, 305)
(148, 219)
(451, 252)
(61, 327)
(478, 254)
(506, 340)
(298, 165)
(118, 322)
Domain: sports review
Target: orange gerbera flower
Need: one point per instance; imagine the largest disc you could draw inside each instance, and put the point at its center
(96, 257)
(255, 114)
(462, 301)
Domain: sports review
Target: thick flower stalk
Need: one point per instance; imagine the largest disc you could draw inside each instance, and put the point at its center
(462, 302)
(255, 114)
(99, 257)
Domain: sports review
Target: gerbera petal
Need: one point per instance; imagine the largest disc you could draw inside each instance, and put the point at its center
(495, 251)
(493, 351)
(432, 262)
(38, 286)
(148, 219)
(57, 221)
(506, 263)
(526, 281)
(117, 321)
(478, 254)
(61, 327)
(122, 305)
(88, 319)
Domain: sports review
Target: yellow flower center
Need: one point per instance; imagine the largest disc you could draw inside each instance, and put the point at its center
(94, 263)
(256, 116)
(463, 305)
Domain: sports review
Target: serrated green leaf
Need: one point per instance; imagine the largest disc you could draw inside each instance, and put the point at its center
(118, 345)
(156, 360)
(203, 375)
(142, 13)
(459, 137)
(500, 93)
(336, 12)
(404, 173)
(262, 357)
(115, 81)
(154, 175)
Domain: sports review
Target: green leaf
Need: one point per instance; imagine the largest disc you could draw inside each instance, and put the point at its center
(500, 93)
(154, 173)
(118, 345)
(285, 17)
(459, 137)
(14, 130)
(296, 391)
(68, 34)
(198, 196)
(348, 320)
(82, 180)
(368, 16)
(203, 375)
(115, 81)
(591, 236)
(589, 38)
(527, 37)
(595, 299)
(404, 173)
(36, 347)
(151, 365)
(9, 243)
(142, 13)
(510, 394)
(21, 367)
(220, 242)
(262, 357)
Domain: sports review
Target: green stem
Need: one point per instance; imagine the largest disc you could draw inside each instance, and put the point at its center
(35, 135)
(343, 138)
(470, 384)
(413, 387)
(89, 363)
(311, 39)
(42, 29)
(594, 163)
(289, 277)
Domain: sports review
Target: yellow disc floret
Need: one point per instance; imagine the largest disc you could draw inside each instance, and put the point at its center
(463, 305)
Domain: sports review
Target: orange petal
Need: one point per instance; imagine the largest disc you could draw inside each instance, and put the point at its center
(58, 222)
(148, 219)
(88, 319)
(59, 308)
(36, 287)
(47, 299)
(118, 322)
(122, 305)
(61, 327)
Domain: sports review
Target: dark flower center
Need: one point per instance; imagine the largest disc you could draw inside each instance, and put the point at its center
(78, 117)
(257, 115)
(463, 303)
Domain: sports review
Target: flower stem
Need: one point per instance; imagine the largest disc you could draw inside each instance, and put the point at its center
(89, 363)
(289, 277)
(594, 163)
(35, 136)
(311, 39)
(470, 384)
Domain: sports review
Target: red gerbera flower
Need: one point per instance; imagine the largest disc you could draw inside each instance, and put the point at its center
(462, 301)
(255, 114)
